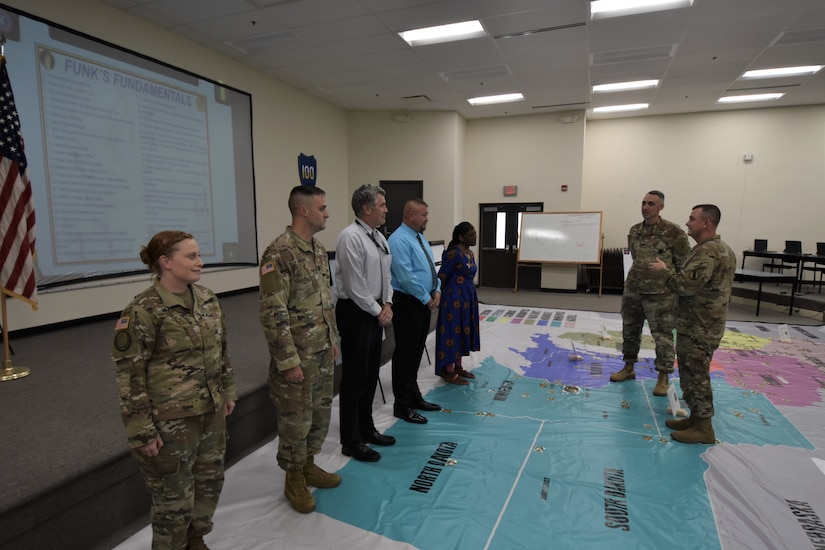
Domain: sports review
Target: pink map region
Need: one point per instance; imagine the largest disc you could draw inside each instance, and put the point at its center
(783, 379)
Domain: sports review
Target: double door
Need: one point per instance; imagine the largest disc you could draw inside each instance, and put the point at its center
(499, 226)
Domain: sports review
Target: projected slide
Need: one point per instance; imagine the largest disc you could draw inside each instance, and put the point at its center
(121, 147)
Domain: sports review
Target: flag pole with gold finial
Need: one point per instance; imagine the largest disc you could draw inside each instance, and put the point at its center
(9, 372)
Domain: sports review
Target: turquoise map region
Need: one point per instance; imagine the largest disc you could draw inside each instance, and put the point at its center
(546, 464)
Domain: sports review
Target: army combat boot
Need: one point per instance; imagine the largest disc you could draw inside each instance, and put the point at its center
(679, 424)
(627, 373)
(196, 544)
(295, 490)
(700, 432)
(317, 477)
(661, 385)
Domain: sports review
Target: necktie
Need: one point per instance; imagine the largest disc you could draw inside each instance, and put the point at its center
(384, 271)
(429, 263)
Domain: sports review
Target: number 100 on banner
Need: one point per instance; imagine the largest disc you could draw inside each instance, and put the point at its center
(307, 169)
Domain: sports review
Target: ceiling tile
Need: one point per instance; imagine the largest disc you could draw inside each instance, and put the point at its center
(352, 48)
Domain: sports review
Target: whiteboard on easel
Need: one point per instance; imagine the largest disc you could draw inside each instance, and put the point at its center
(561, 237)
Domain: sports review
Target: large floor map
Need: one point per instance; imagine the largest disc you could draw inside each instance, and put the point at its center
(542, 451)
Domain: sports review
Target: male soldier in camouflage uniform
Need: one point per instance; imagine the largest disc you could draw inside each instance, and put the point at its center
(703, 286)
(176, 388)
(298, 318)
(645, 295)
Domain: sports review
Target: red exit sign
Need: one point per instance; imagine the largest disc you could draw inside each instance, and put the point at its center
(510, 190)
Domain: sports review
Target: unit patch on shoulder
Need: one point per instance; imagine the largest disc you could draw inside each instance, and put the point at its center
(123, 340)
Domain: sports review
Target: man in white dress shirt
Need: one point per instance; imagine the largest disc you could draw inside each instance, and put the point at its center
(364, 308)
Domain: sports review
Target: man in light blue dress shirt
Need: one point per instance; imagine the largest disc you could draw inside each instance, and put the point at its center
(417, 292)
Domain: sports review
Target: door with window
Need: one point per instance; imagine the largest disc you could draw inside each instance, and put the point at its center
(499, 226)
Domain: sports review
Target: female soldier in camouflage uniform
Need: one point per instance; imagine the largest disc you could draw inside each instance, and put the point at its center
(176, 388)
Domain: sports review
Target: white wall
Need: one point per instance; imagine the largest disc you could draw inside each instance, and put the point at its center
(286, 122)
(536, 152)
(698, 158)
(464, 163)
(427, 147)
(539, 155)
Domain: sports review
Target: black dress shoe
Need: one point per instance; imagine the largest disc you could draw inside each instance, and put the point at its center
(361, 452)
(377, 438)
(409, 415)
(426, 406)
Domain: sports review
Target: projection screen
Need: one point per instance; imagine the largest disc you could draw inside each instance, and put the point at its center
(119, 147)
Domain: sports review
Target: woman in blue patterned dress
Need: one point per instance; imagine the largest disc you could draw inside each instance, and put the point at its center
(457, 326)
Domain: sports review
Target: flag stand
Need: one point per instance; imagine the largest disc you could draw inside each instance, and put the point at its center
(15, 184)
(9, 372)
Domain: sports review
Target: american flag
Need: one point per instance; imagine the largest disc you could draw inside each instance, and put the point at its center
(16, 203)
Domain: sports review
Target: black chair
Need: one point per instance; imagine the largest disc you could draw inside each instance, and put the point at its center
(815, 269)
(791, 247)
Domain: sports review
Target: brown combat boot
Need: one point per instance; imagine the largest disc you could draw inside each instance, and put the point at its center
(679, 424)
(661, 385)
(700, 432)
(295, 490)
(317, 477)
(627, 373)
(196, 543)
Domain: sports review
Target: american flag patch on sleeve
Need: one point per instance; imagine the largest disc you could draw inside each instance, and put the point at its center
(268, 267)
(122, 323)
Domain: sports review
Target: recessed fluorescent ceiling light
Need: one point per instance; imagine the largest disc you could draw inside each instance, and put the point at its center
(267, 3)
(490, 99)
(443, 33)
(619, 108)
(782, 71)
(622, 86)
(600, 9)
(746, 98)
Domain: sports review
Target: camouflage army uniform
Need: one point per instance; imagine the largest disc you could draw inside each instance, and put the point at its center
(173, 378)
(645, 295)
(298, 319)
(703, 286)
